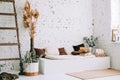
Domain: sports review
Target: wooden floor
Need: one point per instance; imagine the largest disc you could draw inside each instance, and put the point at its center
(63, 77)
(59, 77)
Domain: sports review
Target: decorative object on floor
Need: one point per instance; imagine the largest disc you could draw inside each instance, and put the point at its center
(8, 76)
(90, 42)
(30, 60)
(30, 17)
(31, 69)
(95, 74)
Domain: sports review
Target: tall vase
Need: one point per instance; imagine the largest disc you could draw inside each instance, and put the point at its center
(32, 51)
(31, 44)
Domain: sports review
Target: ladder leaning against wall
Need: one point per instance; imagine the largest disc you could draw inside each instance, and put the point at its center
(9, 33)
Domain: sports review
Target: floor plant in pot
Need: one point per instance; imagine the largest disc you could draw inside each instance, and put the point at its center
(30, 60)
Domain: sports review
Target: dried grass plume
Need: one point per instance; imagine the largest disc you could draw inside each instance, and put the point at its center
(30, 17)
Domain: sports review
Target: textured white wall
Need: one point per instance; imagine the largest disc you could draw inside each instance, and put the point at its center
(115, 14)
(62, 23)
(102, 29)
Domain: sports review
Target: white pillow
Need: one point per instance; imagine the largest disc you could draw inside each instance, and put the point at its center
(52, 51)
(69, 49)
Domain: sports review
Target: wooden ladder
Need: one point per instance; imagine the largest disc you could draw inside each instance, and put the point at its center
(17, 43)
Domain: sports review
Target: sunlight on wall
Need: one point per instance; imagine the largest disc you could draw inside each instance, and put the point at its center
(115, 14)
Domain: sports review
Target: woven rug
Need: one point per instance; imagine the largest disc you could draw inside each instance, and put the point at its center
(95, 74)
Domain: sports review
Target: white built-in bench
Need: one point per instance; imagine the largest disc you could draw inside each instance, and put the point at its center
(48, 66)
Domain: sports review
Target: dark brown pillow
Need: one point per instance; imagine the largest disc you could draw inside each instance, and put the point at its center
(77, 52)
(40, 52)
(62, 51)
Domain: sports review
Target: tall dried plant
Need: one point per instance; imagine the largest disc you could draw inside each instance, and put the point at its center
(30, 17)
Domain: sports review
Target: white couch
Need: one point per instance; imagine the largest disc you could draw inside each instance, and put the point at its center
(77, 64)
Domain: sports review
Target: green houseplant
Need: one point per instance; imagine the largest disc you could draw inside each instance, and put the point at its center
(30, 60)
(90, 42)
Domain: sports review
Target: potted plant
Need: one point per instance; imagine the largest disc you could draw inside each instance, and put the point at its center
(30, 60)
(90, 42)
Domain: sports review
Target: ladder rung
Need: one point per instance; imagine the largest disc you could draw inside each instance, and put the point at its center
(10, 14)
(7, 44)
(7, 0)
(1, 59)
(9, 28)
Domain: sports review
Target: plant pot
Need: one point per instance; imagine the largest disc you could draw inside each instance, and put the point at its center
(91, 50)
(31, 69)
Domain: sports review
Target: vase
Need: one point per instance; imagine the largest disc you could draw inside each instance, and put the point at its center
(91, 50)
(31, 63)
(32, 50)
(30, 56)
(31, 44)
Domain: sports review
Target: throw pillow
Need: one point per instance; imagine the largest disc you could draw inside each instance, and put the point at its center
(77, 52)
(77, 47)
(40, 52)
(84, 49)
(62, 51)
(68, 49)
(52, 50)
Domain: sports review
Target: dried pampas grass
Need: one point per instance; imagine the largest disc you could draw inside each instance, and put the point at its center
(30, 17)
